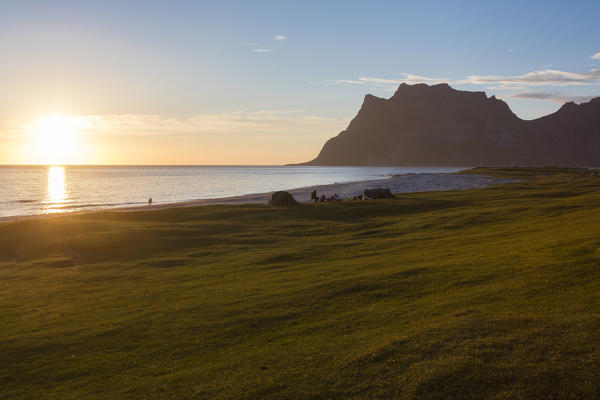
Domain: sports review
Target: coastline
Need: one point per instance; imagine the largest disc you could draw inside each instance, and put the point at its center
(403, 183)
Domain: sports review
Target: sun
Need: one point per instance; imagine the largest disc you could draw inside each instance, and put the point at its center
(56, 140)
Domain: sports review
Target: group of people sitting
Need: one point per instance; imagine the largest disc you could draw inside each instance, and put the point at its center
(322, 199)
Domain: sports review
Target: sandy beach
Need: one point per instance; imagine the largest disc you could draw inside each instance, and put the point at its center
(406, 183)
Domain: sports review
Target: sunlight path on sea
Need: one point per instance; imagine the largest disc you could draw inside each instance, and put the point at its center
(57, 195)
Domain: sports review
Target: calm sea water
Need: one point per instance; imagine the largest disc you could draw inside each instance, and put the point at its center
(26, 190)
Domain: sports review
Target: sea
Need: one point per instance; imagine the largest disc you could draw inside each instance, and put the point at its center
(33, 190)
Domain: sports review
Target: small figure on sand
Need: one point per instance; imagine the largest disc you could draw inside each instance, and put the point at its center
(313, 196)
(323, 198)
(149, 201)
(334, 197)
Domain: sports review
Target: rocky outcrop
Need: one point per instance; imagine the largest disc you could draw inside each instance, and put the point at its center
(378, 194)
(281, 199)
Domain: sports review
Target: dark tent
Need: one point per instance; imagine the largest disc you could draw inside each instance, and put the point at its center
(378, 194)
(281, 199)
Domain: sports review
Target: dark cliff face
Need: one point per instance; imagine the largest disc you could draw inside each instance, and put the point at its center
(438, 125)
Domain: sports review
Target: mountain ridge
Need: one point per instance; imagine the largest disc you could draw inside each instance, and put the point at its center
(439, 125)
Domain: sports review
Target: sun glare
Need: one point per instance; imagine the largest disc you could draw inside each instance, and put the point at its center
(56, 140)
(57, 193)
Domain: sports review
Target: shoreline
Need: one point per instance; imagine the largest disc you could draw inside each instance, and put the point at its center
(401, 183)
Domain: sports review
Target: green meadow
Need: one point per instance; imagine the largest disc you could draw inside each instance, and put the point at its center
(479, 294)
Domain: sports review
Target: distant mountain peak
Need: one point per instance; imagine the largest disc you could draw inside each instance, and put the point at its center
(568, 106)
(438, 125)
(421, 87)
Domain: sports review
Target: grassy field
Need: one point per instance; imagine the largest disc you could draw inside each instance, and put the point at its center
(489, 293)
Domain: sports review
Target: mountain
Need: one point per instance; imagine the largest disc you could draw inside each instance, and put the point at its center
(439, 125)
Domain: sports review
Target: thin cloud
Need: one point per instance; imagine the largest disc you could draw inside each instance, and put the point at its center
(551, 96)
(544, 77)
(505, 87)
(237, 122)
(597, 55)
(11, 134)
(388, 84)
(350, 82)
(262, 50)
(280, 37)
(408, 79)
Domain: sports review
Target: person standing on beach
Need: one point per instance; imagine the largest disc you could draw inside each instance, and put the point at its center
(149, 201)
(313, 196)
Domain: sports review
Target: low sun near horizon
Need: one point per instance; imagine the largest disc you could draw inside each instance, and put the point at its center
(243, 84)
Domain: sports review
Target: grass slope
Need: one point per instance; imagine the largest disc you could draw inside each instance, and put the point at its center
(490, 293)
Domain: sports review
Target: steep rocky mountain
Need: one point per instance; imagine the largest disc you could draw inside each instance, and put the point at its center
(438, 125)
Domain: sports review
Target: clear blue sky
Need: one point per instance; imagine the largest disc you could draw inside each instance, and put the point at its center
(176, 60)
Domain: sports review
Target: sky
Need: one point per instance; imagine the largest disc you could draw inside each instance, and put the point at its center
(224, 82)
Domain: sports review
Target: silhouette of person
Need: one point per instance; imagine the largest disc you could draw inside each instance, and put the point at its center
(323, 198)
(313, 196)
(150, 201)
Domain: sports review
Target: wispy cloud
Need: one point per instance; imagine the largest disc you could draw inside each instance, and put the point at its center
(544, 77)
(262, 50)
(551, 96)
(351, 82)
(505, 87)
(280, 37)
(255, 122)
(12, 133)
(597, 55)
(407, 78)
(386, 82)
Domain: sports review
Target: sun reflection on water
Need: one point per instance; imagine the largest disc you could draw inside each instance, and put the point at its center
(57, 191)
